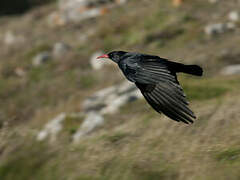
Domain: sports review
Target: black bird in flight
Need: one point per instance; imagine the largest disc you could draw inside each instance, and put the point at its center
(157, 80)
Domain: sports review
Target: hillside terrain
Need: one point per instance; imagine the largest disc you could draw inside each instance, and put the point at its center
(47, 72)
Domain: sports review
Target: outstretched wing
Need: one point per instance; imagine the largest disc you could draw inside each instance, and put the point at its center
(168, 99)
(161, 89)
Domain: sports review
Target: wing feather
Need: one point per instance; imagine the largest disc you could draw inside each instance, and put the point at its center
(167, 102)
(160, 88)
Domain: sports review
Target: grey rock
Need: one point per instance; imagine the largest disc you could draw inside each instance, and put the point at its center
(233, 16)
(60, 49)
(20, 72)
(231, 70)
(55, 126)
(77, 10)
(83, 4)
(76, 16)
(123, 94)
(105, 101)
(220, 28)
(115, 103)
(97, 101)
(214, 29)
(41, 58)
(109, 100)
(11, 38)
(92, 121)
(231, 26)
(52, 128)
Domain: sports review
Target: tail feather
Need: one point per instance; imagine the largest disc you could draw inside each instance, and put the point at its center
(192, 69)
(189, 69)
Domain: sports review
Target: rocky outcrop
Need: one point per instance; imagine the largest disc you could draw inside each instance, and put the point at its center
(78, 10)
(105, 101)
(90, 123)
(41, 58)
(11, 38)
(52, 128)
(60, 49)
(233, 16)
(109, 100)
(231, 70)
(219, 28)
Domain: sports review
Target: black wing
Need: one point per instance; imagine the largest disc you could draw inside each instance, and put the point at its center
(161, 89)
(168, 99)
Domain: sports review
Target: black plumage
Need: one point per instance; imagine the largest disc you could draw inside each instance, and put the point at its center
(156, 78)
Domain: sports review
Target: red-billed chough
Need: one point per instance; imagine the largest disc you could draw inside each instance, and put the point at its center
(156, 78)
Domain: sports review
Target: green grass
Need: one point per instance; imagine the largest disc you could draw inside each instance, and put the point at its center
(87, 81)
(87, 178)
(71, 124)
(119, 168)
(36, 50)
(40, 74)
(8, 87)
(198, 92)
(29, 162)
(165, 173)
(207, 88)
(230, 155)
(117, 137)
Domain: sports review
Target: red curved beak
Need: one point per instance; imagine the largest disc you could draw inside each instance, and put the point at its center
(103, 56)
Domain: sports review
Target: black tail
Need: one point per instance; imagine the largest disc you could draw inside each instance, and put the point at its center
(192, 69)
(189, 69)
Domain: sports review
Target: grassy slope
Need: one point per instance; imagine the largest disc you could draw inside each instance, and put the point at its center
(135, 143)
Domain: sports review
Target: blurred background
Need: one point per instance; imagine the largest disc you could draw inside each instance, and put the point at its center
(66, 116)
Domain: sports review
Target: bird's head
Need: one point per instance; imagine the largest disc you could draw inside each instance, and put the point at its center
(114, 55)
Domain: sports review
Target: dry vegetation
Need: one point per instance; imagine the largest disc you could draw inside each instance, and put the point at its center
(136, 143)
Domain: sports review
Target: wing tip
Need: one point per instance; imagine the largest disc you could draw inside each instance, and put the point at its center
(190, 121)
